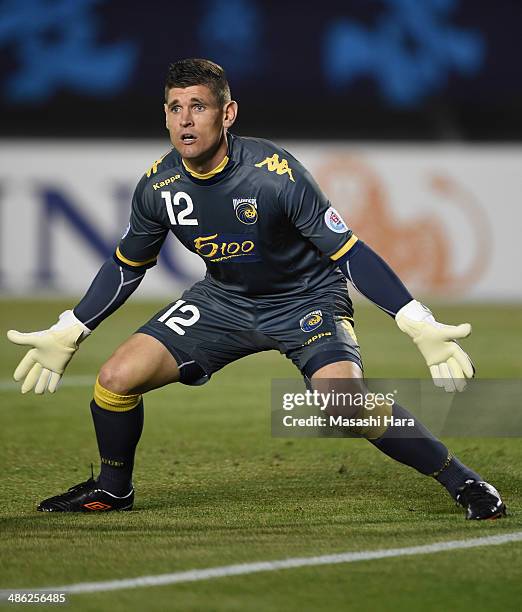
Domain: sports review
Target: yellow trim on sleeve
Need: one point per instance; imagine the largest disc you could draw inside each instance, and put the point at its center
(112, 401)
(210, 174)
(129, 262)
(345, 248)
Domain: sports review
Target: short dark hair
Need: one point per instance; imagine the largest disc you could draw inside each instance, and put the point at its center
(188, 72)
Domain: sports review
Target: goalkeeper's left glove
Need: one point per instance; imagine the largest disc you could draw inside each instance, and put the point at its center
(449, 365)
(43, 365)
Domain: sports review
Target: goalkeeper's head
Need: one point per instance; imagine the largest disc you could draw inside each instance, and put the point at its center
(198, 108)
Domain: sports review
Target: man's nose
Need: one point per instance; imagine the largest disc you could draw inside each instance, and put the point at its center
(186, 119)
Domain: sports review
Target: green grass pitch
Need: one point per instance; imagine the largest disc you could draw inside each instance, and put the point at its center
(214, 488)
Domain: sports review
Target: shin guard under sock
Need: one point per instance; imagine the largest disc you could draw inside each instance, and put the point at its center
(118, 430)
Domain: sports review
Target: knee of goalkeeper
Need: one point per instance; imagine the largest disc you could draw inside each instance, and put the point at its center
(353, 407)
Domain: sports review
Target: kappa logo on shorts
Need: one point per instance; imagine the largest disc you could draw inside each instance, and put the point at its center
(316, 337)
(246, 210)
(311, 321)
(334, 221)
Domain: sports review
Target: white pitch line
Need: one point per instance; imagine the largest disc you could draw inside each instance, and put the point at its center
(270, 566)
(67, 381)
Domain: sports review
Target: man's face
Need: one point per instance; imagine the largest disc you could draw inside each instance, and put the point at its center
(195, 121)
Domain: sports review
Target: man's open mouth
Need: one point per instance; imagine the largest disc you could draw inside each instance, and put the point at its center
(188, 138)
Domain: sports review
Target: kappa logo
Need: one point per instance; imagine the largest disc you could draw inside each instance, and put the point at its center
(311, 321)
(166, 182)
(316, 337)
(246, 210)
(275, 165)
(334, 221)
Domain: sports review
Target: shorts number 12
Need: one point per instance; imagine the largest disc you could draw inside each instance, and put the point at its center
(178, 323)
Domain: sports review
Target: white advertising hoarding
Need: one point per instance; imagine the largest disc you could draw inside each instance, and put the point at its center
(447, 218)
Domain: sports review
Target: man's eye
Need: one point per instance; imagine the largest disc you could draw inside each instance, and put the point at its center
(175, 109)
(199, 107)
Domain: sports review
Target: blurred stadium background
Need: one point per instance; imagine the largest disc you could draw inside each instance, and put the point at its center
(407, 112)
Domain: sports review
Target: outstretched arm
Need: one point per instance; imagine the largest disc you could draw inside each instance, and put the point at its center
(373, 277)
(50, 350)
(449, 365)
(311, 213)
(111, 287)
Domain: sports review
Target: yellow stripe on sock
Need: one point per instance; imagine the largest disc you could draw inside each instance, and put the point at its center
(445, 465)
(112, 401)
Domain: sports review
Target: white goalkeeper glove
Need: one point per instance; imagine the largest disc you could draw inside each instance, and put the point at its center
(43, 366)
(449, 365)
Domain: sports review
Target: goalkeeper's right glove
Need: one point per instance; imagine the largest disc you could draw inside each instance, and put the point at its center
(43, 366)
(448, 363)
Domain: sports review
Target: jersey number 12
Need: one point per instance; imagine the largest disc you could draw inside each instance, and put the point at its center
(182, 216)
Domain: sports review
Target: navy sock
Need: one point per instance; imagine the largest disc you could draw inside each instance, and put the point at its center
(420, 449)
(118, 434)
(454, 474)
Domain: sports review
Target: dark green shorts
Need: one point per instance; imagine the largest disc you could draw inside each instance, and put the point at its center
(208, 328)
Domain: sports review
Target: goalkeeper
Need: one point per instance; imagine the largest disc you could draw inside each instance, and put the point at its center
(277, 256)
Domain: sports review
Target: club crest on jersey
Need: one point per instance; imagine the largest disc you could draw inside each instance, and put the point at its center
(246, 210)
(311, 321)
(334, 221)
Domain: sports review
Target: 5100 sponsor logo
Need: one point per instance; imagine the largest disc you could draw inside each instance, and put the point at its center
(227, 246)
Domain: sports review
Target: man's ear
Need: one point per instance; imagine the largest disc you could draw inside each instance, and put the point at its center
(166, 109)
(230, 113)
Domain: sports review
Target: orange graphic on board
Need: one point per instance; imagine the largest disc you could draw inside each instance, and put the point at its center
(420, 247)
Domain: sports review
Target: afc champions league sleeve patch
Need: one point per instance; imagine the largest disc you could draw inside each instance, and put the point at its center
(334, 221)
(311, 321)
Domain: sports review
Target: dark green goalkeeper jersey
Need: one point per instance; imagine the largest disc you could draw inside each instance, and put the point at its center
(259, 221)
